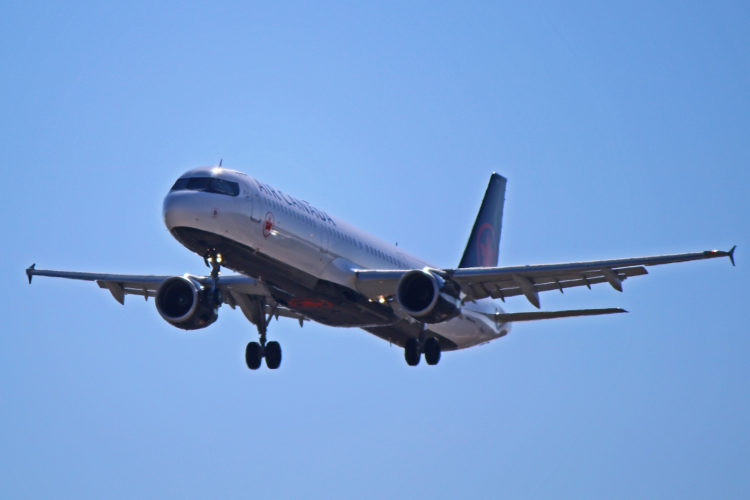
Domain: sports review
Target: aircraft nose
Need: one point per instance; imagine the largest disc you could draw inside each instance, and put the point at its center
(180, 210)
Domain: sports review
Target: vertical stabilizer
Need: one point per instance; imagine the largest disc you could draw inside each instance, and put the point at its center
(484, 241)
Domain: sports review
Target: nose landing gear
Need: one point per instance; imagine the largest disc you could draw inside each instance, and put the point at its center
(256, 351)
(432, 351)
(213, 260)
(415, 347)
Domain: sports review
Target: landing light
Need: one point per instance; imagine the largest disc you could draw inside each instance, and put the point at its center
(381, 299)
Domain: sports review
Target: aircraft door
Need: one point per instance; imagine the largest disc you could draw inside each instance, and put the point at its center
(253, 217)
(251, 206)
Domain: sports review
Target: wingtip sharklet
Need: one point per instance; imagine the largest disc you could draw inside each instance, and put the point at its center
(730, 254)
(30, 272)
(722, 253)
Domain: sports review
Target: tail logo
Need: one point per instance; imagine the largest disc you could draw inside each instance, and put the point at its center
(485, 245)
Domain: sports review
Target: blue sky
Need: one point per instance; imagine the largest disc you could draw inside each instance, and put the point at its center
(622, 131)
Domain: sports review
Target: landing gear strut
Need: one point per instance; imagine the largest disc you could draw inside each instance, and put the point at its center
(415, 347)
(213, 260)
(256, 351)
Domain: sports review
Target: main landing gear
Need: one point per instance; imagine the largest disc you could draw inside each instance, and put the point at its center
(415, 347)
(255, 352)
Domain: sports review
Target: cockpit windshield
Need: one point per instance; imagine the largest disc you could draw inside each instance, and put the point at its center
(207, 185)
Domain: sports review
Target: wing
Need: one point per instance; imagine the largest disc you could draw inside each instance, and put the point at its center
(502, 282)
(237, 290)
(533, 316)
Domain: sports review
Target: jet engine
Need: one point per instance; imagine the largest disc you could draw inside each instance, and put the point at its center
(186, 304)
(428, 297)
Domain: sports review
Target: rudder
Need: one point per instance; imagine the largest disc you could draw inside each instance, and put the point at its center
(484, 240)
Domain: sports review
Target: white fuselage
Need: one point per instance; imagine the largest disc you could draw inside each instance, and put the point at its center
(308, 239)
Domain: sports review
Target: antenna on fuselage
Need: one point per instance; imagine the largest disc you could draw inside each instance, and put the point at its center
(221, 160)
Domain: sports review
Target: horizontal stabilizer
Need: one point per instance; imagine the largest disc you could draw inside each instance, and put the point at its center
(531, 316)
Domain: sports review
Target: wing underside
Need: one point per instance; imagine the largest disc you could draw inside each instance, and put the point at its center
(529, 281)
(537, 315)
(476, 283)
(249, 294)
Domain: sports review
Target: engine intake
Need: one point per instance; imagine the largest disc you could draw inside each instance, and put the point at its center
(428, 297)
(186, 304)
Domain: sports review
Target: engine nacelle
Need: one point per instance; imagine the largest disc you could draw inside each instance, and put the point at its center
(186, 304)
(428, 297)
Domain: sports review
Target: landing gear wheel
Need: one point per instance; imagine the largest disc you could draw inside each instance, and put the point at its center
(432, 351)
(273, 355)
(253, 355)
(411, 352)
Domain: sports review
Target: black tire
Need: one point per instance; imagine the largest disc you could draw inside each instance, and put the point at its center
(273, 355)
(432, 351)
(411, 352)
(253, 355)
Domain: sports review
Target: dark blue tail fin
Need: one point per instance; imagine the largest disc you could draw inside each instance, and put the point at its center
(484, 241)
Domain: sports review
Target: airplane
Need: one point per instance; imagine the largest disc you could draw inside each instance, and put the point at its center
(294, 260)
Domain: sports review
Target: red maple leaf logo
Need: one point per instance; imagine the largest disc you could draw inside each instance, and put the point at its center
(485, 245)
(268, 225)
